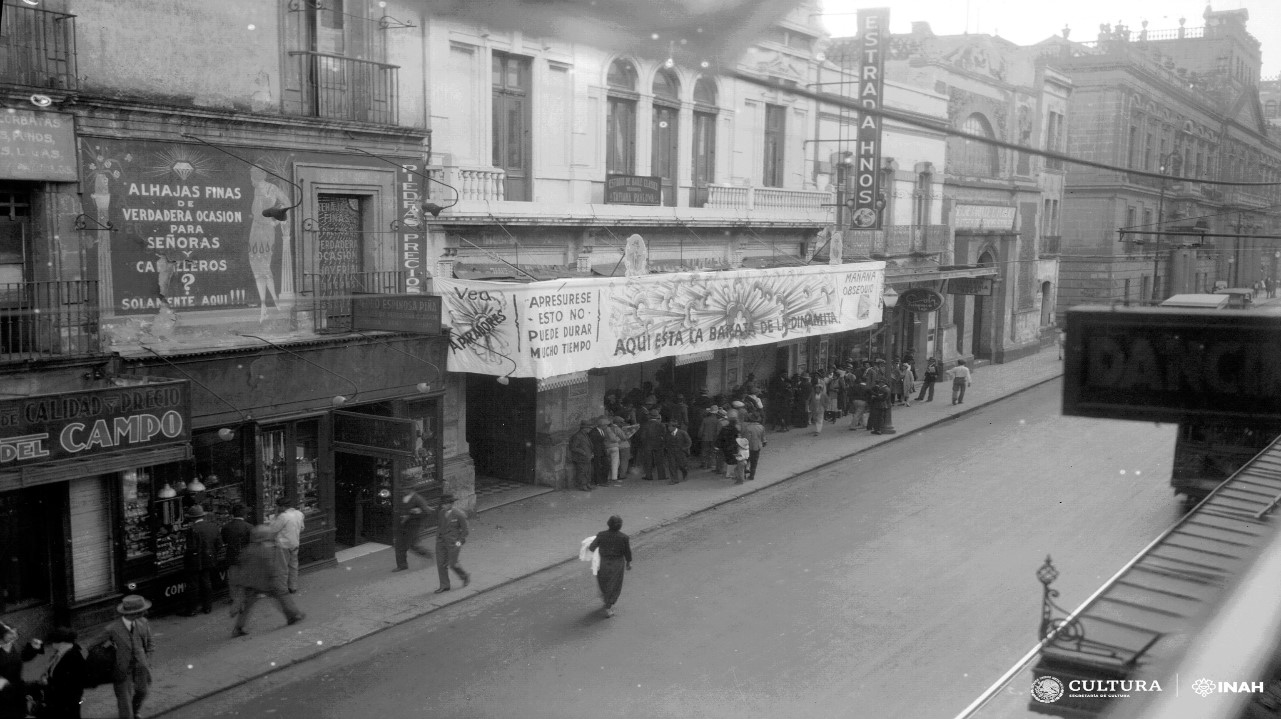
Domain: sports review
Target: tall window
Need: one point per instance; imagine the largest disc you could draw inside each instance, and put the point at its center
(923, 197)
(1131, 219)
(620, 155)
(1147, 152)
(1133, 148)
(775, 137)
(511, 88)
(703, 170)
(972, 157)
(1054, 139)
(666, 132)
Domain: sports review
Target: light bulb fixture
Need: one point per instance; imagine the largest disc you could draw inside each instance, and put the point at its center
(167, 492)
(339, 400)
(427, 206)
(503, 380)
(424, 386)
(41, 100)
(226, 434)
(669, 63)
(278, 213)
(195, 485)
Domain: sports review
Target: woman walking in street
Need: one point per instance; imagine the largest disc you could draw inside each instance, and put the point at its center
(928, 379)
(615, 557)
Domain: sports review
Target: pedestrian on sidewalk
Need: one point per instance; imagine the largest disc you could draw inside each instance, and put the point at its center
(653, 447)
(928, 379)
(13, 692)
(817, 406)
(909, 382)
(800, 400)
(678, 445)
(600, 456)
(708, 428)
(411, 510)
(235, 537)
(264, 572)
(131, 636)
(879, 404)
(62, 684)
(960, 380)
(451, 534)
(754, 431)
(615, 558)
(624, 431)
(727, 443)
(580, 457)
(859, 397)
(200, 559)
(741, 457)
(611, 436)
(287, 528)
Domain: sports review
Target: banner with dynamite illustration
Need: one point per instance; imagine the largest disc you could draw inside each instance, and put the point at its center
(549, 328)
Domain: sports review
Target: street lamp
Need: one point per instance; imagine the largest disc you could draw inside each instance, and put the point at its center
(1168, 161)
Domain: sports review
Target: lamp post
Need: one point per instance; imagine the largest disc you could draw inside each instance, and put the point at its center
(1167, 162)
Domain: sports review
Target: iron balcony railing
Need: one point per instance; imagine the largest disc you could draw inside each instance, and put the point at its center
(332, 294)
(37, 47)
(344, 88)
(44, 320)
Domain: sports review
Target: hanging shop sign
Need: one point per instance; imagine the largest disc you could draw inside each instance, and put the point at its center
(1168, 364)
(873, 33)
(920, 300)
(372, 434)
(396, 313)
(981, 286)
(544, 329)
(37, 146)
(633, 190)
(51, 427)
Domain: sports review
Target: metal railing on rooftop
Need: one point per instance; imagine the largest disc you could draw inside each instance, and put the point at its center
(332, 293)
(37, 48)
(44, 320)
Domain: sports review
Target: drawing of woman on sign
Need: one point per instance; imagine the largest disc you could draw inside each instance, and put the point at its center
(262, 235)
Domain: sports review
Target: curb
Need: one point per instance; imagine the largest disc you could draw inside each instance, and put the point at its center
(641, 532)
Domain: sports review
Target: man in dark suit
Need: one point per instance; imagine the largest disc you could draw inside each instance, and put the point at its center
(451, 533)
(263, 572)
(131, 635)
(204, 543)
(235, 535)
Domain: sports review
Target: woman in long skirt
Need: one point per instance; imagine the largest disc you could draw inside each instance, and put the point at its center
(615, 556)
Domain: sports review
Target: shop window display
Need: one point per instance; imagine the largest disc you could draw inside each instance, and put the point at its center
(153, 499)
(290, 466)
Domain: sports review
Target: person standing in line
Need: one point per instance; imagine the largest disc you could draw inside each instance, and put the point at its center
(624, 431)
(615, 558)
(859, 397)
(680, 411)
(928, 379)
(200, 559)
(817, 406)
(287, 528)
(878, 401)
(909, 382)
(727, 443)
(580, 457)
(600, 458)
(263, 572)
(679, 443)
(63, 683)
(707, 431)
(131, 635)
(611, 435)
(451, 534)
(653, 442)
(832, 383)
(754, 431)
(741, 456)
(960, 380)
(235, 536)
(411, 510)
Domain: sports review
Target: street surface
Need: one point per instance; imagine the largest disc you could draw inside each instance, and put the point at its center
(898, 583)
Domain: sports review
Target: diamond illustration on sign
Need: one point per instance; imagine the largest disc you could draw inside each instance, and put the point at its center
(183, 169)
(1203, 686)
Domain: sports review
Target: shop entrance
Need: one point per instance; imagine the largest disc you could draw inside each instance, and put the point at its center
(501, 426)
(363, 501)
(31, 553)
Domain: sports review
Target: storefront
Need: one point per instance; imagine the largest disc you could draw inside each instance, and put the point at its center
(541, 356)
(89, 493)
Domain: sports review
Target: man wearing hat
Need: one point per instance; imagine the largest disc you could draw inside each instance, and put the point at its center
(653, 440)
(263, 572)
(708, 427)
(451, 534)
(600, 457)
(581, 454)
(131, 635)
(204, 544)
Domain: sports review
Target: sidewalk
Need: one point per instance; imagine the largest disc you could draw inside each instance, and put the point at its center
(197, 656)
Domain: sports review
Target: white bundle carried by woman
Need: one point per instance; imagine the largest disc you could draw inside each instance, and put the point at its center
(584, 555)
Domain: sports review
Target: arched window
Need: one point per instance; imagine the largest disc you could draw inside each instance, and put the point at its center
(1047, 304)
(620, 155)
(666, 132)
(703, 169)
(971, 157)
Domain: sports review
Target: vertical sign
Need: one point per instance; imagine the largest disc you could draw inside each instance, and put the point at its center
(873, 32)
(412, 227)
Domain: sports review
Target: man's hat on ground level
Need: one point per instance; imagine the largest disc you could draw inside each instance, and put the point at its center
(195, 511)
(132, 605)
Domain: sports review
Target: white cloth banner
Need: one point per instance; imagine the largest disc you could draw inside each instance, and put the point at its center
(543, 329)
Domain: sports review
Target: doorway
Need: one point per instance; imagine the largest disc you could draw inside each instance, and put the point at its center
(363, 501)
(501, 426)
(982, 323)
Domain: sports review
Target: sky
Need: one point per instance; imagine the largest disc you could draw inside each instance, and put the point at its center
(1025, 22)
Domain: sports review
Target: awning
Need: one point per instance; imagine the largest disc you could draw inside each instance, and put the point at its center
(90, 466)
(696, 357)
(903, 277)
(561, 380)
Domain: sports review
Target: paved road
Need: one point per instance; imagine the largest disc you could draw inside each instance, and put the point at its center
(898, 583)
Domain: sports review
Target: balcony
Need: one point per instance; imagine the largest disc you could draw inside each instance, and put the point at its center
(738, 197)
(331, 294)
(897, 241)
(472, 183)
(38, 48)
(1051, 245)
(48, 320)
(344, 88)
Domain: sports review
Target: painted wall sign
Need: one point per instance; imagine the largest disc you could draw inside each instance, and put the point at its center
(984, 217)
(51, 427)
(37, 146)
(873, 33)
(192, 235)
(396, 313)
(1166, 364)
(369, 432)
(970, 286)
(633, 190)
(920, 300)
(412, 227)
(544, 329)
